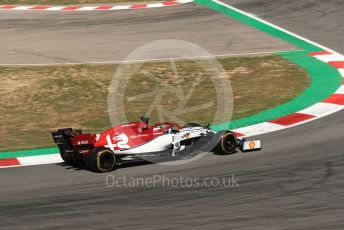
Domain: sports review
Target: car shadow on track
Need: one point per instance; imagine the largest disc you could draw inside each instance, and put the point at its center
(83, 167)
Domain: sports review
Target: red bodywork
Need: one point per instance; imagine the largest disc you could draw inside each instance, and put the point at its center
(121, 137)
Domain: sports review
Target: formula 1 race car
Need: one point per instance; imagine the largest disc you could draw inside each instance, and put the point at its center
(141, 141)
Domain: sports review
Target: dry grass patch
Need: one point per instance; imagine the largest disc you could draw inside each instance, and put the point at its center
(36, 100)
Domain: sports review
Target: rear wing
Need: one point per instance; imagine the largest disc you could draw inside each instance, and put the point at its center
(62, 139)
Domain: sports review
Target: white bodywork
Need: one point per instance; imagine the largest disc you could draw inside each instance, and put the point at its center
(166, 141)
(251, 145)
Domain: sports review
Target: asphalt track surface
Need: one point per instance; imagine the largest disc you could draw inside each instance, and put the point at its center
(295, 182)
(74, 37)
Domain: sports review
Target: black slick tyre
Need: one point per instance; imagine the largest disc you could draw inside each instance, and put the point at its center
(101, 160)
(227, 145)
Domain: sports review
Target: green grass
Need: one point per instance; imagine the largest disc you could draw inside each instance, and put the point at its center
(37, 100)
(64, 2)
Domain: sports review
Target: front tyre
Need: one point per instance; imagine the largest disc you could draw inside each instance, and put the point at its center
(102, 160)
(227, 145)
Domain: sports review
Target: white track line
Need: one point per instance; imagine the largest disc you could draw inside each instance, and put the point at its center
(274, 26)
(153, 60)
(40, 160)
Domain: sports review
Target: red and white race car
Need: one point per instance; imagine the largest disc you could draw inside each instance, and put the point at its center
(141, 141)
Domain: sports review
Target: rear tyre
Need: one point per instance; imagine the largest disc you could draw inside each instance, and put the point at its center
(102, 160)
(190, 125)
(227, 145)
